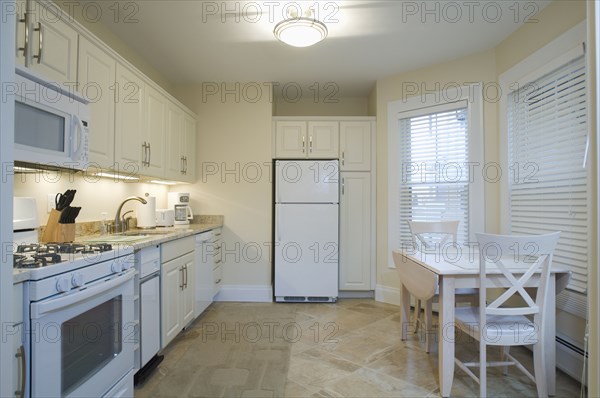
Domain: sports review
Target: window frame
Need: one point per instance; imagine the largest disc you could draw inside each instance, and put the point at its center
(425, 104)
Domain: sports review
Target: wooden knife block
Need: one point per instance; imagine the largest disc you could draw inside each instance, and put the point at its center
(56, 232)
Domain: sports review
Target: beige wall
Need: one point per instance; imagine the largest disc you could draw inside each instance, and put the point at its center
(476, 68)
(233, 155)
(342, 106)
(94, 195)
(553, 20)
(117, 44)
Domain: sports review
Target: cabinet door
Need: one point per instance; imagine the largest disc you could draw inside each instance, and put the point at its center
(323, 140)
(355, 146)
(290, 140)
(175, 141)
(355, 231)
(14, 334)
(53, 45)
(20, 10)
(156, 123)
(189, 150)
(188, 297)
(129, 121)
(96, 78)
(171, 287)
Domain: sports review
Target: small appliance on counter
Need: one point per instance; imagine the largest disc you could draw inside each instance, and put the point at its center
(165, 217)
(180, 203)
(146, 214)
(25, 220)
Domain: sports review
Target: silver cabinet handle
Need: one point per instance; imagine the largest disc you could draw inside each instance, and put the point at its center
(41, 45)
(343, 157)
(149, 154)
(343, 186)
(310, 144)
(303, 144)
(144, 154)
(23, 360)
(181, 166)
(185, 170)
(218, 281)
(25, 20)
(185, 267)
(181, 272)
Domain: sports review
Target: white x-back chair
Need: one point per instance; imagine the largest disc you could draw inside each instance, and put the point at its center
(427, 236)
(519, 258)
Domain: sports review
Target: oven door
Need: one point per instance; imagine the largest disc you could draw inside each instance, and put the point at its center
(82, 342)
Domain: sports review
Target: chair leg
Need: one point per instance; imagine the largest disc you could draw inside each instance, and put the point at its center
(482, 368)
(428, 325)
(504, 350)
(417, 314)
(539, 366)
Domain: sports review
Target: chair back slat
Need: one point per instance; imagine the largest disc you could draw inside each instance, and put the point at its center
(519, 258)
(424, 232)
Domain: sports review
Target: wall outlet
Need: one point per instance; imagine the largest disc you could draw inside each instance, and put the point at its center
(51, 203)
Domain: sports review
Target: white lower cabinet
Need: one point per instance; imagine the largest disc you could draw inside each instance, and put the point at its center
(217, 262)
(15, 336)
(177, 287)
(355, 231)
(149, 303)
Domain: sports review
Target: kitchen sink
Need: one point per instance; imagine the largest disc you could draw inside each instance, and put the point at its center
(144, 233)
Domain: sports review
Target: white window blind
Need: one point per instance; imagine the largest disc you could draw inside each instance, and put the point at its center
(547, 137)
(434, 156)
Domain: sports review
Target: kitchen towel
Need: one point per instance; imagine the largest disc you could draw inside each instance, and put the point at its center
(146, 214)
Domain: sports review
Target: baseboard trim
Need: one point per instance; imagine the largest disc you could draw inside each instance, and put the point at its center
(386, 294)
(351, 294)
(246, 293)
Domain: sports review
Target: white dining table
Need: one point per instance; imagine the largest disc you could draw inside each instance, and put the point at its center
(459, 268)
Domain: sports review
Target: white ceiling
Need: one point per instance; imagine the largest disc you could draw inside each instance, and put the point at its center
(192, 41)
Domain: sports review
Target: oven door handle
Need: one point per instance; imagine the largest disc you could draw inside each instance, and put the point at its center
(42, 308)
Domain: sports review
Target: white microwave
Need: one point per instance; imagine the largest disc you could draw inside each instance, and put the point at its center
(51, 123)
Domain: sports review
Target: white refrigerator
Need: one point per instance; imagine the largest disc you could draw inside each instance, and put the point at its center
(306, 230)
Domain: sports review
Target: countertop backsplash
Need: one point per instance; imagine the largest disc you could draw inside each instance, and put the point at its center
(88, 228)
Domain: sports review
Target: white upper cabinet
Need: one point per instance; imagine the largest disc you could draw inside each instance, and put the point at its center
(174, 143)
(156, 104)
(323, 139)
(129, 121)
(48, 43)
(355, 146)
(300, 139)
(189, 148)
(290, 139)
(97, 71)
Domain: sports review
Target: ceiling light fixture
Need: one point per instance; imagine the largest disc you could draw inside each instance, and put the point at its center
(300, 31)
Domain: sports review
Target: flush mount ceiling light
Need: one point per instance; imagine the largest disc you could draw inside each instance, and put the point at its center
(300, 31)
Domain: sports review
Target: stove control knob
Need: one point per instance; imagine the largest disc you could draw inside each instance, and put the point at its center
(116, 267)
(77, 279)
(63, 284)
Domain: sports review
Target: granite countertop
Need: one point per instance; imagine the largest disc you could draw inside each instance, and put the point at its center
(154, 237)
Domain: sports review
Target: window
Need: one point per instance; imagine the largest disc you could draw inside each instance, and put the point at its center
(434, 150)
(547, 137)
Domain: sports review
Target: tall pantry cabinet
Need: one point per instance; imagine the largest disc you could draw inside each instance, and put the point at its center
(351, 140)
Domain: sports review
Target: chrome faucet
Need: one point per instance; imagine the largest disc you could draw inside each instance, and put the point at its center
(121, 225)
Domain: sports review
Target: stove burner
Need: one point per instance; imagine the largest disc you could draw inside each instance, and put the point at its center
(35, 260)
(40, 255)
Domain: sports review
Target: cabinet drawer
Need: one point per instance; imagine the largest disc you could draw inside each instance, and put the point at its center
(218, 275)
(176, 248)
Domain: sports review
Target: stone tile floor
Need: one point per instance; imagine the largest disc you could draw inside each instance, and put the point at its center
(348, 349)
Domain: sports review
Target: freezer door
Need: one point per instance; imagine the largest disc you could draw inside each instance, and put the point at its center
(307, 181)
(306, 250)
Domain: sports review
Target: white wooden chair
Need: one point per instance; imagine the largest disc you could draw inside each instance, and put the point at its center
(427, 236)
(519, 258)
